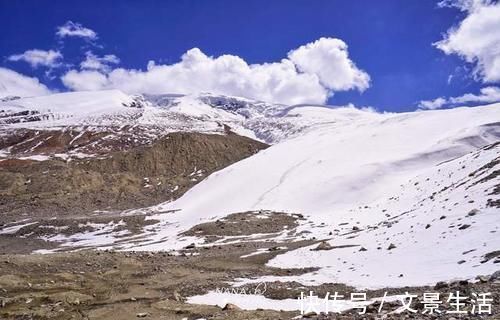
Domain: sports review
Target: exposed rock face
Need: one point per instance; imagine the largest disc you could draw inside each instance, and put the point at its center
(26, 142)
(136, 177)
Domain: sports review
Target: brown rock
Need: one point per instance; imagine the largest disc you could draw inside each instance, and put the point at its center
(230, 306)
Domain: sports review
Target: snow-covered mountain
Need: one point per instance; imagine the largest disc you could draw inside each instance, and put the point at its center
(358, 158)
(86, 117)
(418, 191)
(203, 113)
(414, 191)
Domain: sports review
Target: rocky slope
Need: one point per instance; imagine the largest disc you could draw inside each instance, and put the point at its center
(136, 177)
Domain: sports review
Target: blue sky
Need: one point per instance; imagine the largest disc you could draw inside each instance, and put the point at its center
(391, 41)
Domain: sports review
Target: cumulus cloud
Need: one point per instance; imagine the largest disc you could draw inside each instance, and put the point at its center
(476, 38)
(38, 58)
(15, 84)
(93, 62)
(86, 80)
(73, 29)
(486, 95)
(329, 60)
(309, 74)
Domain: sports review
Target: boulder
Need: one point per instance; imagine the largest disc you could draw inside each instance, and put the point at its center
(230, 306)
(323, 246)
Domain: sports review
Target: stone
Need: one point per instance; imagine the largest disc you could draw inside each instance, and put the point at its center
(230, 306)
(323, 246)
(178, 297)
(472, 213)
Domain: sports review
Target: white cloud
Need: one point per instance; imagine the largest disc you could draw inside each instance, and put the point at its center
(432, 104)
(486, 95)
(15, 84)
(73, 29)
(477, 38)
(310, 74)
(93, 62)
(86, 80)
(329, 59)
(464, 5)
(38, 58)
